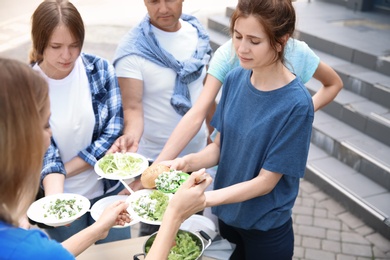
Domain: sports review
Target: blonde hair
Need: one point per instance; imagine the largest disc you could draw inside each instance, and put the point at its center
(23, 100)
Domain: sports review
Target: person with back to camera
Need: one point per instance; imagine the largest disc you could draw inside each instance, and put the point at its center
(264, 123)
(86, 109)
(25, 110)
(160, 64)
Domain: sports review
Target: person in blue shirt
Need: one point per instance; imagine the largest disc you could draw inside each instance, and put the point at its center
(25, 136)
(264, 123)
(86, 111)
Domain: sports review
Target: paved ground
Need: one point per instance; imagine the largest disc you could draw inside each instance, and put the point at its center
(324, 229)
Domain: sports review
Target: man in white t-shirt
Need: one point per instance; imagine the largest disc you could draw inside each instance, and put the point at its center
(160, 65)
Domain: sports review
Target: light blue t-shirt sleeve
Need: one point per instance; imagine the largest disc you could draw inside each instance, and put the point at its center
(300, 59)
(223, 61)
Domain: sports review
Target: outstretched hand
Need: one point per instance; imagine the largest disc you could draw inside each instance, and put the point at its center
(114, 214)
(176, 164)
(188, 200)
(190, 197)
(125, 143)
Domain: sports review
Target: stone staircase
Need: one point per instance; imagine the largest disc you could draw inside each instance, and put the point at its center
(350, 146)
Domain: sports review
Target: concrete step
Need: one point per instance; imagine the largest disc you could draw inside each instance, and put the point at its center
(355, 149)
(361, 196)
(219, 23)
(217, 39)
(367, 83)
(358, 112)
(360, 38)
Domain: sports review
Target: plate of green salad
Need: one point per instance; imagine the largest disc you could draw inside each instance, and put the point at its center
(121, 166)
(100, 205)
(148, 205)
(58, 209)
(169, 182)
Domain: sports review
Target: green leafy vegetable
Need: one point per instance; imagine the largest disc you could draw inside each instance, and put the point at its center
(186, 247)
(169, 182)
(62, 208)
(151, 206)
(121, 164)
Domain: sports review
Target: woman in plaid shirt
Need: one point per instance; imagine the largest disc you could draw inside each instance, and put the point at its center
(86, 111)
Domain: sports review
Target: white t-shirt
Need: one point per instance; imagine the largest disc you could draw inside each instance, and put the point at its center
(72, 122)
(160, 119)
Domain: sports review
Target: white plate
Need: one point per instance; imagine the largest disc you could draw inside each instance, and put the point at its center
(196, 222)
(100, 205)
(38, 211)
(123, 175)
(132, 200)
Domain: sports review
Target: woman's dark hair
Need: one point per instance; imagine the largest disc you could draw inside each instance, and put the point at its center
(276, 16)
(48, 15)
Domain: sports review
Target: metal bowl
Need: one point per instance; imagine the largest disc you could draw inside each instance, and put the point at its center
(202, 240)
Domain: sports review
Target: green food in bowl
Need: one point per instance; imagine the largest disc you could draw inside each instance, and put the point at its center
(188, 246)
(151, 206)
(169, 182)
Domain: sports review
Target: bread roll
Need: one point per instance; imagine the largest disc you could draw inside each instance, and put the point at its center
(151, 173)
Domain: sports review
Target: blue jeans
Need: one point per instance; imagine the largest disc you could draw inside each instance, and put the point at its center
(277, 243)
(62, 233)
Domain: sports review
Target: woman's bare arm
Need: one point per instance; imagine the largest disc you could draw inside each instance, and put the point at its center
(332, 84)
(191, 122)
(178, 210)
(132, 92)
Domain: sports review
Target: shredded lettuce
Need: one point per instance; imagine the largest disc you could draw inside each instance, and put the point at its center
(120, 164)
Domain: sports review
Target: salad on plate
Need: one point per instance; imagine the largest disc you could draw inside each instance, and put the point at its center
(99, 206)
(118, 166)
(58, 209)
(148, 205)
(170, 181)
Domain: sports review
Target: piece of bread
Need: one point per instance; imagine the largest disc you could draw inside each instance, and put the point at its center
(151, 173)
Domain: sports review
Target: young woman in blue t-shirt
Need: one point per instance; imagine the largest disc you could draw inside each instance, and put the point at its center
(264, 122)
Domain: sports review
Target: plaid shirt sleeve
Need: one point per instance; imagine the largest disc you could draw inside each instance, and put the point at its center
(52, 162)
(107, 106)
